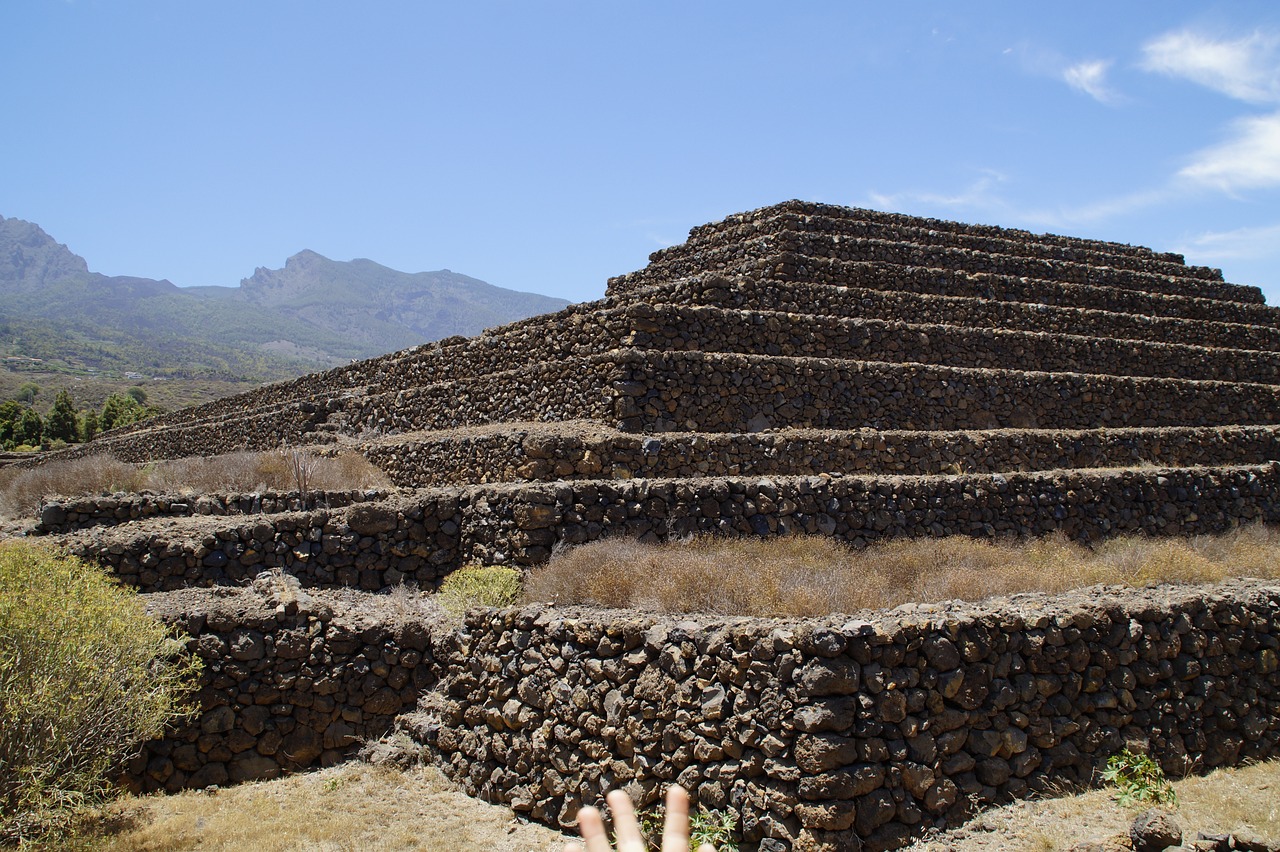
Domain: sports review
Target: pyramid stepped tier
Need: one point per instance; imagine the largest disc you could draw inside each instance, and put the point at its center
(543, 452)
(802, 340)
(1260, 332)
(802, 215)
(422, 536)
(841, 234)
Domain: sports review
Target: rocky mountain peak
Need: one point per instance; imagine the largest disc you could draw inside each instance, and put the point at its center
(31, 258)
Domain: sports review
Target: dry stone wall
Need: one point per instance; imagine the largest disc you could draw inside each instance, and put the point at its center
(532, 453)
(710, 329)
(732, 254)
(421, 538)
(815, 216)
(852, 733)
(789, 269)
(291, 680)
(720, 392)
(926, 307)
(847, 228)
(59, 515)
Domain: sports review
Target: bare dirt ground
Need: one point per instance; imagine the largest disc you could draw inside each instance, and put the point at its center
(350, 807)
(360, 807)
(1226, 801)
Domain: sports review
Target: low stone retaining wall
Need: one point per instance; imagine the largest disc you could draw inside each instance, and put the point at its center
(839, 733)
(537, 452)
(62, 514)
(422, 537)
(290, 681)
(835, 733)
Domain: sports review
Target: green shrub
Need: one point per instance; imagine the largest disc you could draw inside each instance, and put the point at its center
(477, 585)
(710, 826)
(85, 678)
(1138, 780)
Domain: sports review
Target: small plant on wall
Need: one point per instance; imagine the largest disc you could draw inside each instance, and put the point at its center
(1138, 780)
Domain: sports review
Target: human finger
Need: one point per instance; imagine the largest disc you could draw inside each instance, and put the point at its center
(591, 827)
(626, 828)
(675, 831)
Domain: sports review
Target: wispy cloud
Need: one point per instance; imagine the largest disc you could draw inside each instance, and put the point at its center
(1257, 243)
(1250, 159)
(978, 195)
(1246, 68)
(1090, 77)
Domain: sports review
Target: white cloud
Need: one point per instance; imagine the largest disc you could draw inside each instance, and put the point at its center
(978, 195)
(1255, 243)
(1090, 77)
(1247, 68)
(1249, 160)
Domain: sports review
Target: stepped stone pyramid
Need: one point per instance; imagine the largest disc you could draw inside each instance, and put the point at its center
(819, 368)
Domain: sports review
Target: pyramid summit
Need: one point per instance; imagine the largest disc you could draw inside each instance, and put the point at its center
(807, 367)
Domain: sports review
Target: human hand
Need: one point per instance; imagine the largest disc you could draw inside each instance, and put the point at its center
(675, 830)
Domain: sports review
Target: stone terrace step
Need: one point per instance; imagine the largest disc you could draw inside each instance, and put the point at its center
(423, 536)
(647, 391)
(706, 392)
(734, 257)
(788, 271)
(711, 329)
(761, 216)
(846, 227)
(965, 311)
(535, 452)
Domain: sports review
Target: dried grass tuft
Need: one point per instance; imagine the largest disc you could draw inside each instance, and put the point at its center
(22, 490)
(801, 576)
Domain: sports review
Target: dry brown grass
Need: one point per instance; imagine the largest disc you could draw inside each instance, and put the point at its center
(22, 490)
(802, 576)
(355, 806)
(349, 807)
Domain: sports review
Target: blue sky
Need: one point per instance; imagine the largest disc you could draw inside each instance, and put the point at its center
(546, 146)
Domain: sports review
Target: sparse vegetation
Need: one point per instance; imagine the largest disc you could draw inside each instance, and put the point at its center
(802, 576)
(22, 490)
(1138, 780)
(85, 677)
(478, 585)
(706, 826)
(351, 806)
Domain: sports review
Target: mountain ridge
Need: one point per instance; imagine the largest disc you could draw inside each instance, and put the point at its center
(310, 314)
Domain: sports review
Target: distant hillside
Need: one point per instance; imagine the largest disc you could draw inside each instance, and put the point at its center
(312, 314)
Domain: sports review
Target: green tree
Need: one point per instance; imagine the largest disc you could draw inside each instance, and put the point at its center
(61, 422)
(10, 414)
(119, 410)
(137, 394)
(27, 393)
(30, 428)
(86, 676)
(88, 424)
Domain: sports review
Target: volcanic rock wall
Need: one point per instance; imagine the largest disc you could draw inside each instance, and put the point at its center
(290, 681)
(852, 733)
(421, 538)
